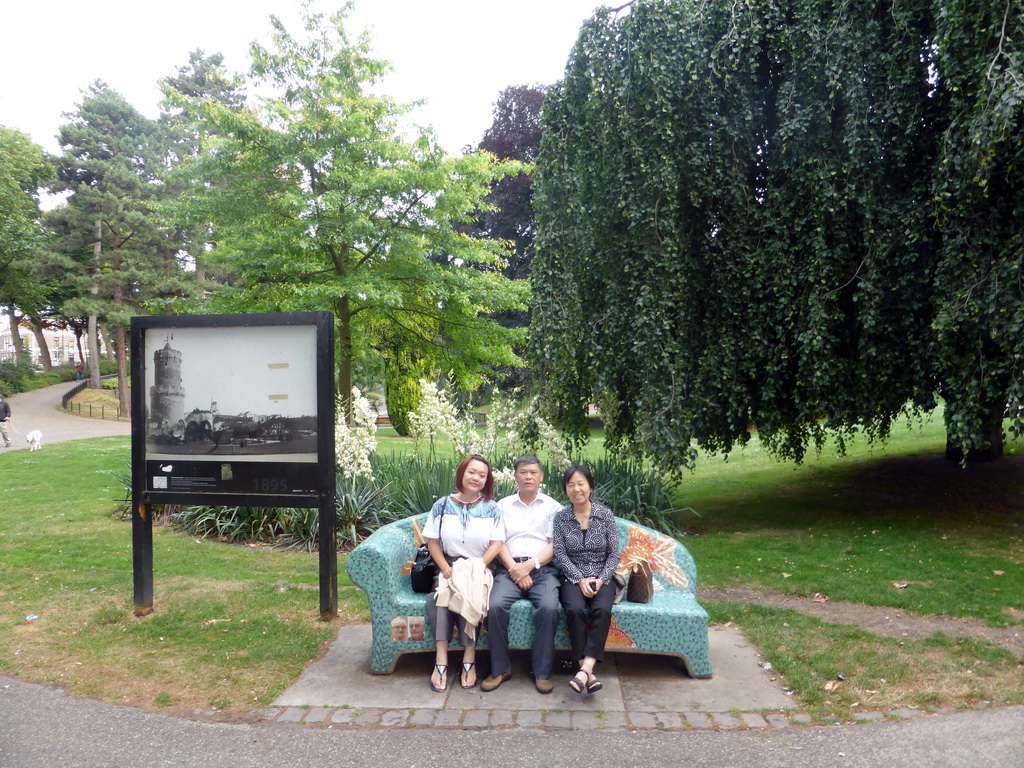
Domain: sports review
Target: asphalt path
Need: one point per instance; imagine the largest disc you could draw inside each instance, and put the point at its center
(42, 727)
(40, 409)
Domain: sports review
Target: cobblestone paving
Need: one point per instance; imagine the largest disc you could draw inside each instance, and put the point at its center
(547, 719)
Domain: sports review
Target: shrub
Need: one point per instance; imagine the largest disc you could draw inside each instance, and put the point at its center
(233, 523)
(635, 492)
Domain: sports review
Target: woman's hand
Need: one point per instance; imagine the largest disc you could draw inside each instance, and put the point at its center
(446, 570)
(589, 586)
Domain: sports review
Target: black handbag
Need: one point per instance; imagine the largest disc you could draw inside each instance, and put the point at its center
(424, 570)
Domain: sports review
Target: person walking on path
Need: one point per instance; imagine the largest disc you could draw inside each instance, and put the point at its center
(5, 418)
(526, 557)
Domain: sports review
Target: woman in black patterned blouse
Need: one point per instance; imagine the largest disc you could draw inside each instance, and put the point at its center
(587, 550)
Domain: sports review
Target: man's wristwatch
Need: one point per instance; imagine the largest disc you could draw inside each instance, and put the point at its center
(536, 564)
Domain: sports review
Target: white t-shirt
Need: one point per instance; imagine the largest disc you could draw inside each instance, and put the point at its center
(528, 527)
(464, 531)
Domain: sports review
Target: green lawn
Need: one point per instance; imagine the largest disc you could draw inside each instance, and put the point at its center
(852, 527)
(234, 625)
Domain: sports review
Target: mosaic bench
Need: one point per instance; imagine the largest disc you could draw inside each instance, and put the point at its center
(671, 624)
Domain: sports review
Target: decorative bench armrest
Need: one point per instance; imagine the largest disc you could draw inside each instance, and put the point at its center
(376, 565)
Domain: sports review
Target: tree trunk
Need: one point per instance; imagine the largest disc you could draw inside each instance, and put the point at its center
(992, 432)
(107, 343)
(94, 333)
(94, 353)
(44, 348)
(344, 318)
(120, 348)
(15, 333)
(124, 407)
(78, 344)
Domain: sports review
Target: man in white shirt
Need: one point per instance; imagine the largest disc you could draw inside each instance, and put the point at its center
(527, 572)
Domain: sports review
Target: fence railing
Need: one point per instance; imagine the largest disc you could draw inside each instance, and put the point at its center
(92, 411)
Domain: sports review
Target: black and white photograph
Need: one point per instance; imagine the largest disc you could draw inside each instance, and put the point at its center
(238, 393)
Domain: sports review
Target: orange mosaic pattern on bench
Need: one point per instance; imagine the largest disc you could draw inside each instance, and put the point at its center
(659, 551)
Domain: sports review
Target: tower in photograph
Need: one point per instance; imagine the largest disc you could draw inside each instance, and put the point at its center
(166, 396)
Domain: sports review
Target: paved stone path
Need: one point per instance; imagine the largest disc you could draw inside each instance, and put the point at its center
(40, 409)
(548, 719)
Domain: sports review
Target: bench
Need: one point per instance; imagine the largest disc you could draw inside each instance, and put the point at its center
(671, 624)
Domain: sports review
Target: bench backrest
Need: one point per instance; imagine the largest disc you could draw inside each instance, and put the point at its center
(670, 561)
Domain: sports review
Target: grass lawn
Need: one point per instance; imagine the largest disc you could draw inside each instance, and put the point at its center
(897, 526)
(234, 625)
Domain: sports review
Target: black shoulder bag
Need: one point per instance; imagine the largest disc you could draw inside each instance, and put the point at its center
(424, 569)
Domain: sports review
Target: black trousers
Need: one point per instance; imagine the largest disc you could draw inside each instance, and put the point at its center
(589, 619)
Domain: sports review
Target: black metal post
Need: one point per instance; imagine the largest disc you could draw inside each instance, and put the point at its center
(142, 557)
(328, 558)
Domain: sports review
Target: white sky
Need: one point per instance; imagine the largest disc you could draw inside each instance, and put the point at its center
(458, 55)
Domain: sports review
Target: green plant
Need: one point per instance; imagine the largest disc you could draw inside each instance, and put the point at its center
(230, 523)
(636, 492)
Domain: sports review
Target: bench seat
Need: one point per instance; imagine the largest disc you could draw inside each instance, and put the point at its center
(672, 623)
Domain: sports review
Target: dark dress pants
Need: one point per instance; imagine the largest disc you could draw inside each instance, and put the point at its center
(544, 597)
(589, 619)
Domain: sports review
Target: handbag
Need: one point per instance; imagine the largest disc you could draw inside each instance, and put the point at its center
(424, 570)
(641, 583)
(621, 582)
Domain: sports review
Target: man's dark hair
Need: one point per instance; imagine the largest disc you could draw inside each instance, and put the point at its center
(525, 459)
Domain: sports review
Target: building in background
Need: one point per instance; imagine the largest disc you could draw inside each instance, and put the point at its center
(62, 345)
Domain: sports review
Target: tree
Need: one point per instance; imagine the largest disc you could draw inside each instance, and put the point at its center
(319, 202)
(24, 170)
(122, 258)
(979, 194)
(514, 134)
(204, 77)
(737, 228)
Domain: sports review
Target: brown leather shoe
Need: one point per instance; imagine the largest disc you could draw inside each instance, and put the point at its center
(544, 686)
(492, 682)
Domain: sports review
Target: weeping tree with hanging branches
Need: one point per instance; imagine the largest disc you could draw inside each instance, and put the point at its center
(738, 227)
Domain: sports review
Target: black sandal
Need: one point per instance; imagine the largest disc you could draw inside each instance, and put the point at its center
(594, 685)
(467, 667)
(442, 670)
(580, 686)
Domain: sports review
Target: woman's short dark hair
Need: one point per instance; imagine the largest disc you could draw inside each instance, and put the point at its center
(488, 491)
(583, 469)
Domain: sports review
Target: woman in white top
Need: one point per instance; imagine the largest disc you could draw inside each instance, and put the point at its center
(465, 524)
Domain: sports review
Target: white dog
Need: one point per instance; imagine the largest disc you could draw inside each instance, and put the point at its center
(34, 440)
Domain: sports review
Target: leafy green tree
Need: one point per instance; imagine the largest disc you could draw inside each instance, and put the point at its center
(119, 255)
(979, 195)
(320, 202)
(203, 77)
(514, 134)
(737, 229)
(24, 170)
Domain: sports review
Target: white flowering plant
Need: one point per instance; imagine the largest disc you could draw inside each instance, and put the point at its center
(437, 413)
(356, 443)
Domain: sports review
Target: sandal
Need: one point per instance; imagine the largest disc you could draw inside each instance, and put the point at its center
(594, 685)
(577, 684)
(467, 667)
(442, 671)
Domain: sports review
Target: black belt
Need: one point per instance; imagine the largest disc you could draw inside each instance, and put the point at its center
(522, 559)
